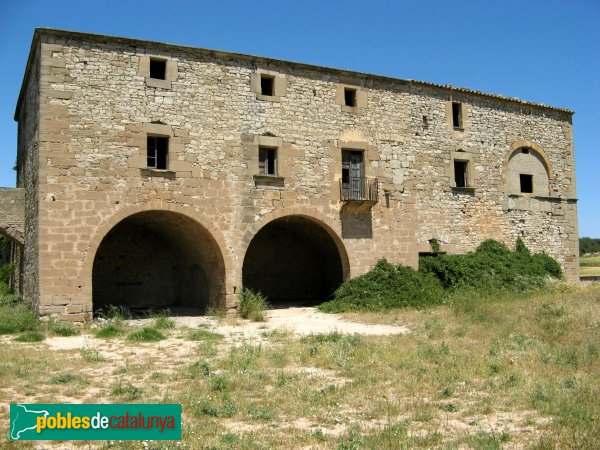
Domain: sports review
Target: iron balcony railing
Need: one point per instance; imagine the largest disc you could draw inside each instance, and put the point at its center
(359, 189)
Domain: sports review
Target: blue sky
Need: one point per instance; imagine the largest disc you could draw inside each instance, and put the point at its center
(546, 51)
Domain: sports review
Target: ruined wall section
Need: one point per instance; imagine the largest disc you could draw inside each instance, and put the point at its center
(28, 163)
(12, 225)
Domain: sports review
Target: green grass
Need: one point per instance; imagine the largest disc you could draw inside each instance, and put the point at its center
(164, 323)
(145, 335)
(63, 329)
(203, 335)
(592, 261)
(589, 266)
(30, 336)
(16, 318)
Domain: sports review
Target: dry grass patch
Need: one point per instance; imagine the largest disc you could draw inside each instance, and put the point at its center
(475, 373)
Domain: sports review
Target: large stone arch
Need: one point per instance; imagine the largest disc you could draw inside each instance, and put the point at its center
(527, 158)
(516, 146)
(190, 256)
(294, 256)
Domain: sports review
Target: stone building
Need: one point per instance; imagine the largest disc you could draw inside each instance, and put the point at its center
(153, 175)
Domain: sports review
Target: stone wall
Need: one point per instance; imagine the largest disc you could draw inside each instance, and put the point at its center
(28, 173)
(98, 106)
(12, 213)
(12, 226)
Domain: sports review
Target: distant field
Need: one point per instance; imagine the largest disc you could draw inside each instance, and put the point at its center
(589, 266)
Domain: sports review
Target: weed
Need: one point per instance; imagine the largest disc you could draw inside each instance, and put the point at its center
(252, 305)
(204, 335)
(244, 358)
(63, 329)
(63, 378)
(260, 414)
(128, 391)
(199, 369)
(219, 383)
(145, 335)
(217, 312)
(30, 336)
(109, 331)
(449, 407)
(91, 355)
(164, 323)
(319, 435)
(114, 314)
(208, 409)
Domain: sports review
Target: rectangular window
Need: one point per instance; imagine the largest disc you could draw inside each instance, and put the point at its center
(350, 97)
(267, 85)
(158, 150)
(267, 161)
(158, 69)
(526, 183)
(457, 119)
(461, 173)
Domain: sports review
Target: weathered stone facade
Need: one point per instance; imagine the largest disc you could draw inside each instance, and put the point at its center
(105, 224)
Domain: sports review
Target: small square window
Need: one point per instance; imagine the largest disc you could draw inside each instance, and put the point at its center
(350, 97)
(267, 85)
(526, 183)
(525, 151)
(158, 150)
(457, 119)
(158, 69)
(267, 161)
(461, 174)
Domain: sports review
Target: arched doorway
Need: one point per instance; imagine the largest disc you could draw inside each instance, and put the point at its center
(293, 260)
(156, 260)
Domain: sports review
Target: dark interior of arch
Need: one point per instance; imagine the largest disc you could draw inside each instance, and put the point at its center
(293, 261)
(156, 260)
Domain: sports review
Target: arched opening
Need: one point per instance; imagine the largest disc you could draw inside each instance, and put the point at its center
(157, 260)
(527, 172)
(293, 261)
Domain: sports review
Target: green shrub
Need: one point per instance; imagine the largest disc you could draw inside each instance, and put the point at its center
(16, 318)
(386, 286)
(30, 336)
(252, 305)
(492, 266)
(493, 247)
(145, 335)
